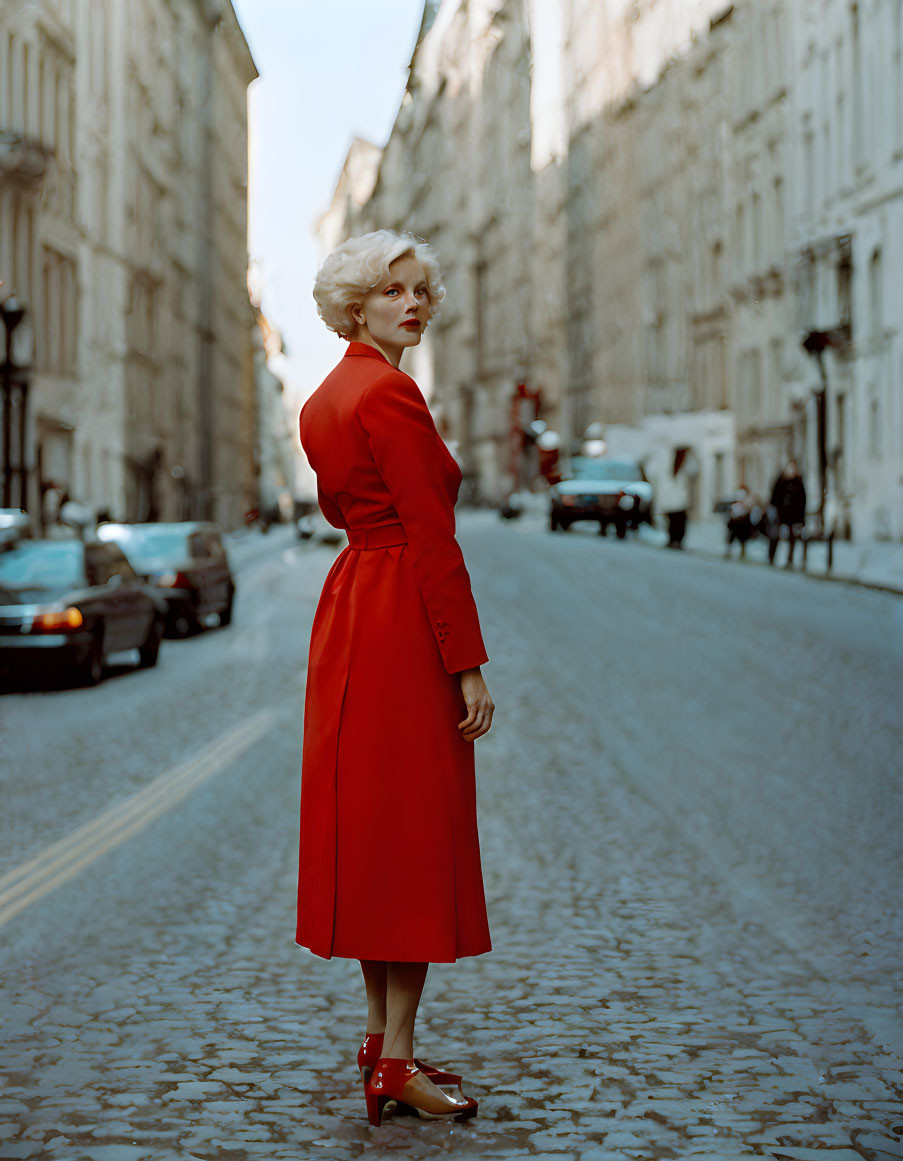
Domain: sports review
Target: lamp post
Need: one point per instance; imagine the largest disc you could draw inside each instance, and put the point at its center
(13, 314)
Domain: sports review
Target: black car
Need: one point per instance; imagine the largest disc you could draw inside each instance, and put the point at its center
(68, 604)
(187, 563)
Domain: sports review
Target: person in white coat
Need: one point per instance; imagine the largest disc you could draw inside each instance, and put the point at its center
(676, 492)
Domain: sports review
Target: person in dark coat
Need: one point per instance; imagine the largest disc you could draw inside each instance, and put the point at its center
(788, 510)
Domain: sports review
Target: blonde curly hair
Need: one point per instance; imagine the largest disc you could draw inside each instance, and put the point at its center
(361, 263)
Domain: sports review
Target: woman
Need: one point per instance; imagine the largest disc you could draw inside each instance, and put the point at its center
(389, 868)
(675, 494)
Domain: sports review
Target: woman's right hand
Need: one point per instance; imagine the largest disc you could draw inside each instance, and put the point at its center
(479, 704)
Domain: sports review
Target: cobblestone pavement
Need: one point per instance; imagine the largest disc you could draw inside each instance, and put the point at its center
(690, 808)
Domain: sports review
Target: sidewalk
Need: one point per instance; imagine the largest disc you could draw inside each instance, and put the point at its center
(875, 563)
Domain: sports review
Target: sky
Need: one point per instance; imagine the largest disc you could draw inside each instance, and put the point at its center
(330, 71)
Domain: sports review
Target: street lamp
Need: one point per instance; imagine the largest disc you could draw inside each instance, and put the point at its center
(13, 313)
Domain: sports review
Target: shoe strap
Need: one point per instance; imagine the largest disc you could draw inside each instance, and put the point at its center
(392, 1073)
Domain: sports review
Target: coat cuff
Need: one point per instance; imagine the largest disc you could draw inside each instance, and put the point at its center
(457, 656)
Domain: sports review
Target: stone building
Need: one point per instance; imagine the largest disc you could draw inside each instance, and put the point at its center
(676, 218)
(845, 171)
(274, 455)
(39, 240)
(126, 239)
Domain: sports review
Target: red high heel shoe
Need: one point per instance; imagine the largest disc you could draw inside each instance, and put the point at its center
(396, 1080)
(371, 1050)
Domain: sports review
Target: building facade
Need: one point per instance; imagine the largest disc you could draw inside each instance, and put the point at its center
(276, 420)
(123, 231)
(679, 219)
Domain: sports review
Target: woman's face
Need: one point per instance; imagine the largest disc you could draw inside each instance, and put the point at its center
(395, 312)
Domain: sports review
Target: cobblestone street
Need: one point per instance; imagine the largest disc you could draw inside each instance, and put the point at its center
(690, 820)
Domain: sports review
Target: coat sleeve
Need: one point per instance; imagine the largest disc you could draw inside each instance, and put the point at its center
(408, 454)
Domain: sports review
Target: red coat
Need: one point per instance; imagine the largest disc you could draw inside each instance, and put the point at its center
(389, 865)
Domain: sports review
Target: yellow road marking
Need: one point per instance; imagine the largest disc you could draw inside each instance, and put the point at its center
(61, 861)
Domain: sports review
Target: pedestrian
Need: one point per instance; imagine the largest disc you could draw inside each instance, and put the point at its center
(389, 868)
(743, 520)
(786, 511)
(675, 494)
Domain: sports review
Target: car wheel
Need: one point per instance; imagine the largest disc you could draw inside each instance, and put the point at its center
(225, 617)
(90, 672)
(149, 651)
(186, 622)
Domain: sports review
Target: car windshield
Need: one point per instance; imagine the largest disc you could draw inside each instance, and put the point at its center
(585, 468)
(38, 567)
(150, 548)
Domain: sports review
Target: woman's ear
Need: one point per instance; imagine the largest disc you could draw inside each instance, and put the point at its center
(357, 313)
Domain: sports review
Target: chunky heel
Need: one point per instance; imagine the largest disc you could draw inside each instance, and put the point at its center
(375, 1106)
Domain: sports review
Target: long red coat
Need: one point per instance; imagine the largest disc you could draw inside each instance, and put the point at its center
(389, 865)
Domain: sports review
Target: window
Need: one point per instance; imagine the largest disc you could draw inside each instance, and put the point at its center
(840, 440)
(778, 243)
(757, 232)
(874, 424)
(119, 565)
(857, 83)
(716, 273)
(845, 288)
(481, 301)
(99, 564)
(106, 561)
(59, 321)
(897, 72)
(29, 112)
(740, 241)
(876, 298)
(809, 163)
(841, 112)
(754, 410)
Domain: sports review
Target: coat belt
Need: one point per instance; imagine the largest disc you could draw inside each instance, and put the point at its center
(383, 536)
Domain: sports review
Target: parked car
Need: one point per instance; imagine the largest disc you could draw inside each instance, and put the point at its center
(610, 491)
(188, 564)
(69, 604)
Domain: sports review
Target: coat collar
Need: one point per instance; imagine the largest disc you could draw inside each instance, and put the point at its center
(366, 350)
